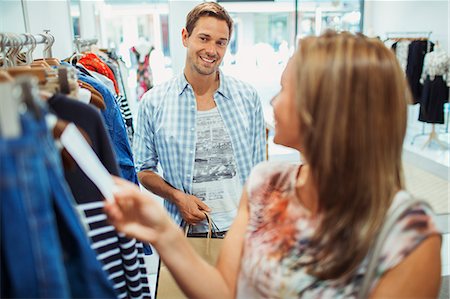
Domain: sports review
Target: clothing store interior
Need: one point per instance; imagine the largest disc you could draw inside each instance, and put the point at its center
(83, 67)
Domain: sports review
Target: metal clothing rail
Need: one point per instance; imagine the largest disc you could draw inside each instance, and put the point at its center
(425, 34)
(25, 39)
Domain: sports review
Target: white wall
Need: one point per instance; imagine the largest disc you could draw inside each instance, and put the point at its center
(384, 16)
(88, 28)
(36, 16)
(11, 19)
(53, 16)
(178, 11)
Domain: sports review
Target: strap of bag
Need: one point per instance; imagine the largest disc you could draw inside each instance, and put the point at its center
(213, 229)
(374, 255)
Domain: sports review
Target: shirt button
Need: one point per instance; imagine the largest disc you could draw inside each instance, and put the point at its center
(191, 152)
(192, 129)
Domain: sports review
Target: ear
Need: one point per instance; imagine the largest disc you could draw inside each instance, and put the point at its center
(184, 37)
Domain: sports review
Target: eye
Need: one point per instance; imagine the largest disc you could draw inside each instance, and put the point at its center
(222, 43)
(202, 38)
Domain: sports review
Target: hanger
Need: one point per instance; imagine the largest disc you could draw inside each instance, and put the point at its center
(29, 53)
(39, 73)
(5, 77)
(23, 90)
(47, 52)
(75, 56)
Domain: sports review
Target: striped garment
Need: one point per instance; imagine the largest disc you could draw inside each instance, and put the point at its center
(126, 115)
(166, 134)
(122, 258)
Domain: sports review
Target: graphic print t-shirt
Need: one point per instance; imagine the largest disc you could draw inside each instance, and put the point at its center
(216, 181)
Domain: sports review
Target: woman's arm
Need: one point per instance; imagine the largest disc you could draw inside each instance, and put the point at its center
(138, 216)
(417, 276)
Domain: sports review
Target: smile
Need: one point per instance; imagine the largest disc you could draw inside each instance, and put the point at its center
(207, 60)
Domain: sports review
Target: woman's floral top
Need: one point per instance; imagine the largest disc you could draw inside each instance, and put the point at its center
(277, 241)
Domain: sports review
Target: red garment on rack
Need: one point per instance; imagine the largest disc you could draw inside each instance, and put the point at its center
(93, 63)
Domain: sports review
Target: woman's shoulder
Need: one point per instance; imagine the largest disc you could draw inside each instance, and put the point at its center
(271, 175)
(413, 227)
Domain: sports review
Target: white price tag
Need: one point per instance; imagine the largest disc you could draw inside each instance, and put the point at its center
(88, 161)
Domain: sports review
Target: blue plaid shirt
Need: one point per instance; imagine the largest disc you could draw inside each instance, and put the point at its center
(166, 130)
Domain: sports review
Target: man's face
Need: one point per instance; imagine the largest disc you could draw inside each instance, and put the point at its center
(206, 45)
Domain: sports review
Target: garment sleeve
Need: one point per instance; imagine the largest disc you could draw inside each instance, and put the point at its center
(414, 227)
(259, 132)
(146, 157)
(448, 72)
(425, 70)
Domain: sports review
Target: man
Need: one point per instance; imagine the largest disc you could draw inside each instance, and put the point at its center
(204, 128)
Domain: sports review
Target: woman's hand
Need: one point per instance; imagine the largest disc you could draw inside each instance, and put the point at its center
(137, 214)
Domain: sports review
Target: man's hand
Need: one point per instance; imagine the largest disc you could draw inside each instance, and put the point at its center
(191, 208)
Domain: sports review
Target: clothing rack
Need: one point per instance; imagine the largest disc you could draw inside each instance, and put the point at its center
(12, 43)
(417, 35)
(25, 39)
(82, 43)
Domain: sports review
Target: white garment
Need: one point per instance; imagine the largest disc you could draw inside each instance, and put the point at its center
(436, 63)
(215, 179)
(401, 52)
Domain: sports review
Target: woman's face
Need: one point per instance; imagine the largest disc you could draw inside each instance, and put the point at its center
(287, 124)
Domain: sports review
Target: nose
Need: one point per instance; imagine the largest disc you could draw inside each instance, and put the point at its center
(272, 101)
(210, 49)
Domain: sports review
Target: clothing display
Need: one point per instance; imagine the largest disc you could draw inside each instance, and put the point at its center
(410, 54)
(416, 55)
(115, 127)
(278, 254)
(94, 63)
(55, 236)
(107, 70)
(434, 95)
(436, 82)
(166, 134)
(45, 251)
(401, 51)
(119, 255)
(144, 73)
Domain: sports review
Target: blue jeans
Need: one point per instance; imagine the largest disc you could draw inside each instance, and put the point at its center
(45, 251)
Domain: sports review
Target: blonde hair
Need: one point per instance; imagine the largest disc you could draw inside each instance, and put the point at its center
(208, 9)
(352, 100)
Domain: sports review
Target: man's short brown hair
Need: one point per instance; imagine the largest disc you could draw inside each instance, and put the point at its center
(208, 9)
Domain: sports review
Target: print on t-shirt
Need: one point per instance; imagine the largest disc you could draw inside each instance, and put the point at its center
(215, 179)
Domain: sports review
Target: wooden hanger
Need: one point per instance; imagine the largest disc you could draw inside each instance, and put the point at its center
(5, 77)
(50, 61)
(39, 73)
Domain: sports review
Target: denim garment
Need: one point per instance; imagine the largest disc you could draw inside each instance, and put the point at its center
(116, 128)
(45, 251)
(118, 133)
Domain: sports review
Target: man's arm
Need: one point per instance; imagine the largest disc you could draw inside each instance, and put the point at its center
(190, 207)
(147, 158)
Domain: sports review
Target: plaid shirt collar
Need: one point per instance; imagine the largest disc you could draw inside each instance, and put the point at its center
(223, 89)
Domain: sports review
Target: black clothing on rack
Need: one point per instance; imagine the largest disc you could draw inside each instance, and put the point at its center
(434, 95)
(416, 54)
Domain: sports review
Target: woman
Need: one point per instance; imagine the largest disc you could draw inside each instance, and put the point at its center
(306, 230)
